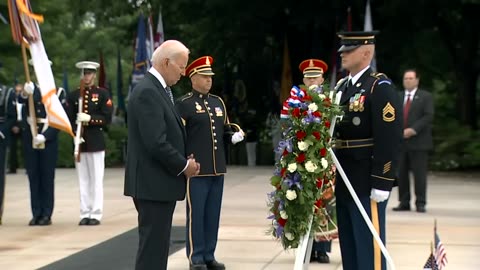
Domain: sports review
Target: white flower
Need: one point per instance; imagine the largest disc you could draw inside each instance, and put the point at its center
(322, 96)
(324, 163)
(292, 167)
(312, 87)
(302, 146)
(283, 214)
(289, 236)
(313, 107)
(291, 195)
(310, 166)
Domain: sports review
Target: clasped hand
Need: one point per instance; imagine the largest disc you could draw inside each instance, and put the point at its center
(193, 167)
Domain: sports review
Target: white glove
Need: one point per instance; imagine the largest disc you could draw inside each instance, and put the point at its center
(237, 137)
(39, 139)
(379, 195)
(83, 117)
(29, 87)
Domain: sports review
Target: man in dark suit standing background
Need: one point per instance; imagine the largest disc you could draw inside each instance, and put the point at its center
(157, 164)
(417, 135)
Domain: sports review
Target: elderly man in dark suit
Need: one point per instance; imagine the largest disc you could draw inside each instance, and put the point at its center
(157, 163)
(417, 135)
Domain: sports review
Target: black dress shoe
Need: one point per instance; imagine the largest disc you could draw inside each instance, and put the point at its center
(198, 266)
(93, 222)
(421, 209)
(44, 221)
(84, 221)
(401, 208)
(33, 221)
(323, 258)
(214, 265)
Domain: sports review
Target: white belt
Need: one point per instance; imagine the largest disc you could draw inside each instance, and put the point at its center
(39, 121)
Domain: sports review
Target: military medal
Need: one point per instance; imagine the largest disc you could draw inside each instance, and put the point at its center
(218, 112)
(94, 97)
(199, 108)
(356, 102)
(350, 107)
(362, 105)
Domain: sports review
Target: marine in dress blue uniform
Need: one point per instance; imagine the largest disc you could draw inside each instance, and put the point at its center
(313, 70)
(95, 115)
(8, 117)
(207, 125)
(40, 162)
(368, 142)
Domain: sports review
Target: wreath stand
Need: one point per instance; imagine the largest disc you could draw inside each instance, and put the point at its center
(305, 247)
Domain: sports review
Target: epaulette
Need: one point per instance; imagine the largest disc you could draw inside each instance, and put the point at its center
(215, 96)
(380, 78)
(340, 82)
(187, 96)
(102, 88)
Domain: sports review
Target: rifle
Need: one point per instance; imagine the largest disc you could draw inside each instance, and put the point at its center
(31, 104)
(78, 134)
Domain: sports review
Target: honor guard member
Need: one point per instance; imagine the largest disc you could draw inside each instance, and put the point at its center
(313, 70)
(368, 142)
(40, 152)
(94, 115)
(8, 117)
(207, 125)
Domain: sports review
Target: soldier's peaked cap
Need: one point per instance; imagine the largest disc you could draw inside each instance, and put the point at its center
(352, 40)
(87, 66)
(312, 68)
(202, 65)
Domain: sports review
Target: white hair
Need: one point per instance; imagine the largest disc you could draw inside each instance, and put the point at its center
(169, 49)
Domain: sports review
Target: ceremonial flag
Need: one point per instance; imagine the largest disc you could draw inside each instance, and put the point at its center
(25, 29)
(286, 82)
(102, 76)
(367, 27)
(150, 40)
(120, 99)
(141, 63)
(431, 264)
(65, 79)
(440, 253)
(159, 37)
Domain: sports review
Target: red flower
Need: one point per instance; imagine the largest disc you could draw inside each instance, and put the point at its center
(282, 222)
(317, 114)
(283, 171)
(327, 124)
(317, 135)
(285, 152)
(327, 103)
(319, 183)
(301, 158)
(323, 152)
(301, 135)
(319, 203)
(296, 112)
(305, 113)
(307, 97)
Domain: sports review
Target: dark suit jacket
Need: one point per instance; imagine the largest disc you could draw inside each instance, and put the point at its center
(156, 145)
(420, 117)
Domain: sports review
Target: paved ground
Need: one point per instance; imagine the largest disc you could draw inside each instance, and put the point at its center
(243, 244)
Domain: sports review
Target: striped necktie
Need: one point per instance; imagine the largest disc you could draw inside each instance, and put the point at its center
(169, 93)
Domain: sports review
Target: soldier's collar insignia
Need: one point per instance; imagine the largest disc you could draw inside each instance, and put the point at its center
(358, 84)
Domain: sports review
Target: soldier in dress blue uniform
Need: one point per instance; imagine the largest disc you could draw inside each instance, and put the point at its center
(313, 70)
(207, 126)
(95, 115)
(41, 152)
(8, 117)
(368, 142)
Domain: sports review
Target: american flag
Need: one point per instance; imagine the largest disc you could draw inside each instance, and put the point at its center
(431, 264)
(440, 253)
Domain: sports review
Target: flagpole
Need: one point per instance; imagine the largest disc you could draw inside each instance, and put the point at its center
(31, 108)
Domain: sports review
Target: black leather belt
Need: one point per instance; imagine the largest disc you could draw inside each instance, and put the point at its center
(339, 144)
